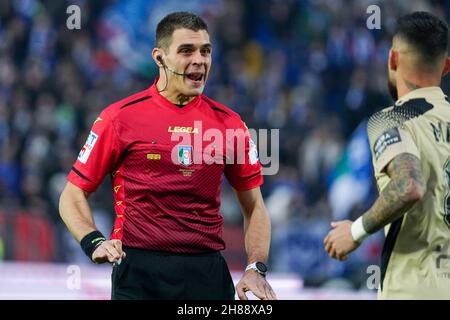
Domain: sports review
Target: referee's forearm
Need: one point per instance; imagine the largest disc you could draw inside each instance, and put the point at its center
(257, 235)
(76, 213)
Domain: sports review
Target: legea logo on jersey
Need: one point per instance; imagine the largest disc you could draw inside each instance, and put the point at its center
(185, 155)
(83, 156)
(183, 129)
(225, 146)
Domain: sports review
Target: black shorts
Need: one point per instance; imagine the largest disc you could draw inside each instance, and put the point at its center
(145, 274)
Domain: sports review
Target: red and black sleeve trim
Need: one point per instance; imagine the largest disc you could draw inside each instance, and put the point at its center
(81, 175)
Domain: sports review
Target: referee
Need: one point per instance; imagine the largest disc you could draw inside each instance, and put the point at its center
(167, 235)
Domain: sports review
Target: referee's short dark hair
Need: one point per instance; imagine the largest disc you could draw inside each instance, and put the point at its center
(425, 33)
(174, 21)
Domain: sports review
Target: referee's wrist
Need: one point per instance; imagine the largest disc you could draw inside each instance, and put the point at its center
(359, 234)
(91, 241)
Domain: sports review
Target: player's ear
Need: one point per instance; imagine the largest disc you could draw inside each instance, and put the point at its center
(393, 60)
(446, 67)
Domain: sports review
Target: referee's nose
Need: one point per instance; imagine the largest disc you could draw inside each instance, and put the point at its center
(199, 60)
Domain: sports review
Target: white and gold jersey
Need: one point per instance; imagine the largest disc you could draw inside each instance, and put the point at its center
(415, 261)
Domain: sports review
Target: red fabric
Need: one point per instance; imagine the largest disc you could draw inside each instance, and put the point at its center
(166, 205)
(22, 237)
(34, 238)
(120, 203)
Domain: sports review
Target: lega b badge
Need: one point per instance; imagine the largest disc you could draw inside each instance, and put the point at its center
(83, 156)
(386, 139)
(253, 153)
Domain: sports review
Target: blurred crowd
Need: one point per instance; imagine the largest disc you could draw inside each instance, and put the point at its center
(310, 68)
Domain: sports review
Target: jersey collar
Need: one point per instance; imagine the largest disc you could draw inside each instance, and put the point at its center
(153, 90)
(428, 92)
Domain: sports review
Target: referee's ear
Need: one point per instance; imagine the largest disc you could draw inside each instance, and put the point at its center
(446, 67)
(157, 57)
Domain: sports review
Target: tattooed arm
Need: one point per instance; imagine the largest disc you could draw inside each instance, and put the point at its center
(406, 187)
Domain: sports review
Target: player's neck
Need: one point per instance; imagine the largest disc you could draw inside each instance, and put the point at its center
(406, 84)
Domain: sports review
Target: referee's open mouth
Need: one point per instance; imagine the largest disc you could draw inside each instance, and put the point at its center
(197, 78)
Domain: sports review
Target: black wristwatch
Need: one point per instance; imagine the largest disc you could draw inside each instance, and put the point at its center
(259, 267)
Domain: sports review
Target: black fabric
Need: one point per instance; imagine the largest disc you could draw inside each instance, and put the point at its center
(80, 174)
(149, 275)
(388, 246)
(91, 241)
(135, 101)
(214, 107)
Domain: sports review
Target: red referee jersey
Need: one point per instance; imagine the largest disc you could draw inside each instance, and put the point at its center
(166, 179)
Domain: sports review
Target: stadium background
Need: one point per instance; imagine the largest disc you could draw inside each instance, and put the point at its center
(310, 68)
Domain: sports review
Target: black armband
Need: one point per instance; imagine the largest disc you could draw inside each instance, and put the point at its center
(91, 241)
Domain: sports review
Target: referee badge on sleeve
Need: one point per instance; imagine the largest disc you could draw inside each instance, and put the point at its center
(83, 156)
(253, 152)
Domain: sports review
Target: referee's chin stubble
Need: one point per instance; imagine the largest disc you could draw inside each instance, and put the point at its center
(192, 89)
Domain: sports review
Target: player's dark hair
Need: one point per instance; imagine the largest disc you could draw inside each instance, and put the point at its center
(174, 21)
(426, 33)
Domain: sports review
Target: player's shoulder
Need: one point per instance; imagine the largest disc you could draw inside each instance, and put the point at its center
(399, 114)
(221, 110)
(116, 108)
(380, 115)
(382, 121)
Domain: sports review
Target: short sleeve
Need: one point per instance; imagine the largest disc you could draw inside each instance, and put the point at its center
(97, 157)
(245, 171)
(389, 138)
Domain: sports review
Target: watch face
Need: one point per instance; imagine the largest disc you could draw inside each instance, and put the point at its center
(261, 267)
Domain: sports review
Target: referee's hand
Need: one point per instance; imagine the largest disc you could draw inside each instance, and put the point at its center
(108, 251)
(257, 284)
